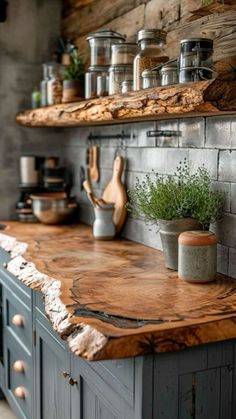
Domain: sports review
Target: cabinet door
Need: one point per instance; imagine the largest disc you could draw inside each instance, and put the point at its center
(92, 397)
(52, 389)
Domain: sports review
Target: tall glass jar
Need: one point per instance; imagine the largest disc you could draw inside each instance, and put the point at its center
(151, 43)
(54, 85)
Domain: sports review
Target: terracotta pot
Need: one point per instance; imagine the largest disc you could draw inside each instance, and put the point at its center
(73, 90)
(169, 232)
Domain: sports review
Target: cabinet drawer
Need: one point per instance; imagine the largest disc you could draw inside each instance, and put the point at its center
(19, 376)
(18, 319)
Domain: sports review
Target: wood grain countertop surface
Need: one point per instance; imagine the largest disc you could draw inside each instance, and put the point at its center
(114, 299)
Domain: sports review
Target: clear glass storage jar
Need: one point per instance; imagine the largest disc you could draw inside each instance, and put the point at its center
(151, 43)
(195, 59)
(117, 74)
(91, 79)
(150, 78)
(123, 53)
(54, 85)
(100, 46)
(169, 74)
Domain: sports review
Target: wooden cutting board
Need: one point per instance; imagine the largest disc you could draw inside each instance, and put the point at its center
(115, 192)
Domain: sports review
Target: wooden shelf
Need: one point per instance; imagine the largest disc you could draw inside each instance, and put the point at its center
(210, 97)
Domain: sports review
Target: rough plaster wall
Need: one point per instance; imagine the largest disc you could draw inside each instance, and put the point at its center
(211, 141)
(26, 38)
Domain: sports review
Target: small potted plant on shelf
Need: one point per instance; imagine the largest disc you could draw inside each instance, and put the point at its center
(176, 203)
(73, 78)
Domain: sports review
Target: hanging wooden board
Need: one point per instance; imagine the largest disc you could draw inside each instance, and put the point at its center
(115, 192)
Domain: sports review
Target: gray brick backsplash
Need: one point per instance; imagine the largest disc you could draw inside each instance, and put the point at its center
(227, 166)
(208, 158)
(233, 198)
(226, 230)
(225, 188)
(222, 259)
(221, 132)
(232, 262)
(170, 125)
(139, 130)
(192, 132)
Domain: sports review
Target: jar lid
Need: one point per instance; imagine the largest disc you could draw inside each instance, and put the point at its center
(169, 67)
(120, 67)
(121, 45)
(98, 68)
(105, 33)
(127, 83)
(197, 40)
(197, 238)
(155, 34)
(149, 73)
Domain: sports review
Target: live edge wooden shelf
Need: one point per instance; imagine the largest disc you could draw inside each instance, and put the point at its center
(209, 97)
(116, 299)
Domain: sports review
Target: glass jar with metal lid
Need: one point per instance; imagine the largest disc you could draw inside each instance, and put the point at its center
(169, 74)
(91, 79)
(123, 53)
(195, 59)
(100, 46)
(117, 74)
(151, 43)
(150, 78)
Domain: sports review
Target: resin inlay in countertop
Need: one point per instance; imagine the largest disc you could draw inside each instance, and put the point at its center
(115, 299)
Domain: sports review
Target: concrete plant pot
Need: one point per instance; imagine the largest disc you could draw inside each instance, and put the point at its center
(169, 232)
(73, 90)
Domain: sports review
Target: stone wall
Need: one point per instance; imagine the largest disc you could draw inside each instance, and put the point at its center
(209, 141)
(26, 39)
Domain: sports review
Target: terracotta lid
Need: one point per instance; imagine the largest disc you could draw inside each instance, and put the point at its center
(197, 238)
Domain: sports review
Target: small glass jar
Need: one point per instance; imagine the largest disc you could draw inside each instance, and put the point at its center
(123, 53)
(100, 46)
(91, 81)
(126, 86)
(151, 43)
(150, 78)
(43, 86)
(54, 85)
(169, 74)
(102, 85)
(117, 74)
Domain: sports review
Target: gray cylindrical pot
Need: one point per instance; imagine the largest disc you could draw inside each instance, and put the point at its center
(169, 232)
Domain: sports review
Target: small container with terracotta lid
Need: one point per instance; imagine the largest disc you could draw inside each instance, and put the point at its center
(197, 256)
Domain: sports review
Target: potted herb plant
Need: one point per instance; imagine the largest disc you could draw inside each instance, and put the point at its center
(176, 203)
(73, 78)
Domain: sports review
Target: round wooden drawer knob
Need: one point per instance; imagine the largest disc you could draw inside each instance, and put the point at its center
(18, 320)
(20, 392)
(19, 366)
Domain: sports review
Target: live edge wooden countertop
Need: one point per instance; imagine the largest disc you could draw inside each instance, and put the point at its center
(115, 299)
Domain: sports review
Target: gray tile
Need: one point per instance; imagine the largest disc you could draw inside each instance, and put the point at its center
(208, 158)
(227, 166)
(220, 132)
(226, 230)
(192, 132)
